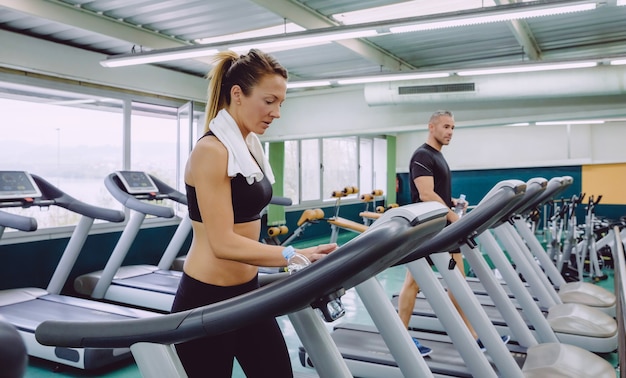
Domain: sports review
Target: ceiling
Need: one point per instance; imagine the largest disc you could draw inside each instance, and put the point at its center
(115, 27)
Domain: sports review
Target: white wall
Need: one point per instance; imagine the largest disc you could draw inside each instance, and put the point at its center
(480, 140)
(530, 146)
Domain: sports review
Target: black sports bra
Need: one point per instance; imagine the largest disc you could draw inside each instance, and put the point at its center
(247, 200)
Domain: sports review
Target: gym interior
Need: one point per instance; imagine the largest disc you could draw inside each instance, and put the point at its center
(93, 90)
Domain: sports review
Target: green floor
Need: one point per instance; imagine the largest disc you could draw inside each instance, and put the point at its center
(391, 280)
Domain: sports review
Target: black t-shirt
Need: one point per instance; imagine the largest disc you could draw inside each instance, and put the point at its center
(427, 161)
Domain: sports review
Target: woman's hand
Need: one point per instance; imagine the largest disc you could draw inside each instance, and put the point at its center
(316, 253)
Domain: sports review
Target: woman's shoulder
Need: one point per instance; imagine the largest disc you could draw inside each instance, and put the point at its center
(210, 145)
(208, 155)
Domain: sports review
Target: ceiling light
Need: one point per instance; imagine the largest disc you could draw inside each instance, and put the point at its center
(519, 124)
(405, 9)
(308, 84)
(164, 55)
(618, 62)
(276, 48)
(273, 43)
(577, 122)
(526, 68)
(393, 77)
(289, 27)
(299, 40)
(514, 14)
(621, 2)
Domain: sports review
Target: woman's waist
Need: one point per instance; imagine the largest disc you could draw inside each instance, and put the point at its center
(220, 272)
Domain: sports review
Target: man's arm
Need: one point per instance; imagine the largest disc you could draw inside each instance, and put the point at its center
(426, 187)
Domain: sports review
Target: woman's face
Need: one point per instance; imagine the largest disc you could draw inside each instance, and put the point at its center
(256, 112)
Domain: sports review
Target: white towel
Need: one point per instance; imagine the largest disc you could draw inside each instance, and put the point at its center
(239, 159)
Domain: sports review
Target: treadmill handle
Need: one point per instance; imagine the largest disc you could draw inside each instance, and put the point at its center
(129, 201)
(18, 222)
(70, 203)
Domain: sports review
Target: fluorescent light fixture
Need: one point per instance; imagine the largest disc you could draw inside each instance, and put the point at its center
(155, 57)
(519, 124)
(243, 49)
(621, 2)
(618, 62)
(576, 122)
(265, 32)
(393, 77)
(282, 41)
(366, 79)
(497, 17)
(526, 68)
(414, 8)
(308, 84)
(290, 41)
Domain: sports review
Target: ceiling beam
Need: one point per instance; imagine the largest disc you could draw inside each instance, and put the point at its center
(57, 11)
(523, 34)
(310, 19)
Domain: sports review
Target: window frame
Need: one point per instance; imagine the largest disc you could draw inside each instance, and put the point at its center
(325, 199)
(38, 86)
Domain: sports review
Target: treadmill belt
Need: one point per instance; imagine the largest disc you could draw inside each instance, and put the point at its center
(363, 343)
(156, 281)
(423, 308)
(26, 316)
(478, 288)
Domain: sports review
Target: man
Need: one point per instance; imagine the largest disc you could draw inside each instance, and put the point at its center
(430, 181)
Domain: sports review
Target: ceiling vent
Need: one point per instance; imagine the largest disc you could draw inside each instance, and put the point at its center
(603, 80)
(437, 88)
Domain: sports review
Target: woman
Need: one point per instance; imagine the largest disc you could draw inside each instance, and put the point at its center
(228, 182)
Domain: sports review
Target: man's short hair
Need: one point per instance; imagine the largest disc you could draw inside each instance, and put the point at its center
(440, 113)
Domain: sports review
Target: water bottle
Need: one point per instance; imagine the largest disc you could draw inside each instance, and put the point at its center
(459, 209)
(297, 262)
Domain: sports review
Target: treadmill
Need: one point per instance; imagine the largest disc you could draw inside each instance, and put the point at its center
(318, 286)
(374, 351)
(575, 324)
(425, 318)
(148, 286)
(567, 292)
(564, 292)
(544, 192)
(26, 308)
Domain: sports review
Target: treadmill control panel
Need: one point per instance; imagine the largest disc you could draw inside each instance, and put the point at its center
(17, 185)
(137, 182)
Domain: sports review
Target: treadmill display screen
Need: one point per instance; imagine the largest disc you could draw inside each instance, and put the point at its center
(136, 182)
(17, 185)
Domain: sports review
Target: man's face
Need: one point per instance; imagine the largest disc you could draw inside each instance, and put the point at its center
(442, 129)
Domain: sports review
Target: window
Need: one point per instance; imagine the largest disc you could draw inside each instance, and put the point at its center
(74, 139)
(310, 169)
(71, 143)
(380, 164)
(291, 181)
(154, 141)
(341, 162)
(366, 169)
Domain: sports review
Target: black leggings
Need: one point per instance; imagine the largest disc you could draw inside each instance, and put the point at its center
(259, 348)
